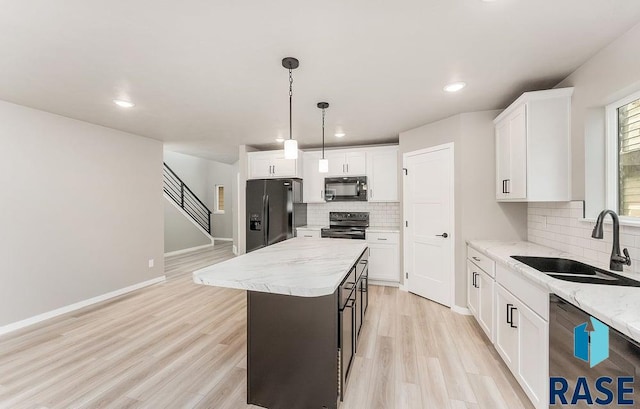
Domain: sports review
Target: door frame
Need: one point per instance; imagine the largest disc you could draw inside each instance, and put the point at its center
(405, 264)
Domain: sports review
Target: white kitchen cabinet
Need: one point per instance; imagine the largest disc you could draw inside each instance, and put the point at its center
(533, 161)
(480, 298)
(533, 358)
(522, 338)
(384, 257)
(506, 341)
(312, 180)
(382, 174)
(308, 233)
(347, 162)
(272, 164)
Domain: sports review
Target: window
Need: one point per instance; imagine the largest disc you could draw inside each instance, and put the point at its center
(623, 156)
(219, 199)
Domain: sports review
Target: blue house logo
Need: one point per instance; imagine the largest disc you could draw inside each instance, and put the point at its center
(591, 344)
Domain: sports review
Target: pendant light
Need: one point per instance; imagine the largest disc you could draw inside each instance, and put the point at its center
(290, 145)
(323, 164)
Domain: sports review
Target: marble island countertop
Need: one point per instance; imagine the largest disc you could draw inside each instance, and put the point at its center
(299, 266)
(617, 306)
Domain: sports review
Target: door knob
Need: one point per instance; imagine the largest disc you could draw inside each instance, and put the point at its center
(444, 235)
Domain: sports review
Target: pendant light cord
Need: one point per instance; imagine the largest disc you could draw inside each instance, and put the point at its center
(322, 133)
(290, 98)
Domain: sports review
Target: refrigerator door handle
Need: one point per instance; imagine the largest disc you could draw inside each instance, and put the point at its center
(267, 221)
(264, 220)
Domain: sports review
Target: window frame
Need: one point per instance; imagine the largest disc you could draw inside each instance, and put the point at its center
(216, 199)
(612, 158)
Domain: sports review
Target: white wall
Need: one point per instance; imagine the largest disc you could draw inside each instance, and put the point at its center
(180, 232)
(611, 74)
(201, 175)
(477, 213)
(81, 211)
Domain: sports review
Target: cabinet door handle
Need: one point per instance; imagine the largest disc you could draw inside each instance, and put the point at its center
(371, 193)
(347, 168)
(504, 189)
(321, 195)
(381, 238)
(511, 323)
(510, 310)
(473, 280)
(508, 182)
(475, 258)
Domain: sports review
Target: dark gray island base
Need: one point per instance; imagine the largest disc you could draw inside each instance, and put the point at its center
(300, 349)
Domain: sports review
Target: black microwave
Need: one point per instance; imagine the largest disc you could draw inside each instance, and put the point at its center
(345, 189)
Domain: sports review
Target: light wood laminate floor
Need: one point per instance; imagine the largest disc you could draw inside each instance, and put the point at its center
(181, 345)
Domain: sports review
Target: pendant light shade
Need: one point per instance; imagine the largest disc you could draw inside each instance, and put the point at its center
(291, 149)
(290, 145)
(323, 164)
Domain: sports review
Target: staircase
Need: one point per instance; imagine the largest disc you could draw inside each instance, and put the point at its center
(180, 193)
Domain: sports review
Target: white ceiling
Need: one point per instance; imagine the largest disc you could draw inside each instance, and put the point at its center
(206, 74)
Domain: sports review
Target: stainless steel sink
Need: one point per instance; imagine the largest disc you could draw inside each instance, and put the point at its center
(575, 271)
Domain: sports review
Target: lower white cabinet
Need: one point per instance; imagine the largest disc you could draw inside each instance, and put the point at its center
(308, 233)
(533, 359)
(522, 340)
(514, 314)
(506, 333)
(480, 287)
(384, 256)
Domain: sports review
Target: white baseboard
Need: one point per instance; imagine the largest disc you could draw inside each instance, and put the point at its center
(234, 249)
(223, 238)
(404, 288)
(63, 310)
(461, 310)
(189, 250)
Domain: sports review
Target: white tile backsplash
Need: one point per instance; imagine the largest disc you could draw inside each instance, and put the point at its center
(380, 214)
(561, 226)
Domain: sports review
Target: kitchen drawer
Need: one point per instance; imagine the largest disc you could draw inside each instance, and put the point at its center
(308, 233)
(482, 261)
(382, 238)
(530, 294)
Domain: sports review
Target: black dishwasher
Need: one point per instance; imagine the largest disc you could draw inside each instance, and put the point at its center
(590, 364)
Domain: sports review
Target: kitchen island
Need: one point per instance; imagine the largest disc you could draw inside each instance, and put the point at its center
(306, 300)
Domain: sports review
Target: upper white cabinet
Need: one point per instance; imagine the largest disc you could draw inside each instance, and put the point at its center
(533, 161)
(312, 179)
(379, 164)
(272, 164)
(382, 174)
(347, 162)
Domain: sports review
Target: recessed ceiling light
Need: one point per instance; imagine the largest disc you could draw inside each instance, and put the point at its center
(339, 134)
(123, 103)
(280, 140)
(455, 86)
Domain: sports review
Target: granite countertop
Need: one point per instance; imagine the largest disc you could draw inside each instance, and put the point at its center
(299, 266)
(617, 306)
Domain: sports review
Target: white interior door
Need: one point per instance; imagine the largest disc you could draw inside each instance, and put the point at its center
(428, 211)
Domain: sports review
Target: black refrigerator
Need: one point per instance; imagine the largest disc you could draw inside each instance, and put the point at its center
(274, 210)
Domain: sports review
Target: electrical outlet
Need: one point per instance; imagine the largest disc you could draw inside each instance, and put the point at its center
(150, 262)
